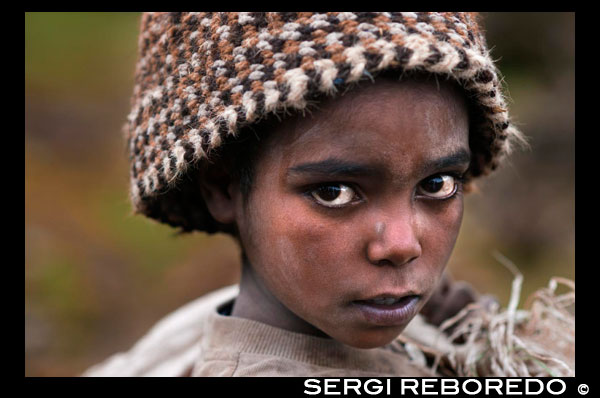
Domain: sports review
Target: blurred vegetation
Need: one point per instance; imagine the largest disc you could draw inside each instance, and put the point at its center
(97, 277)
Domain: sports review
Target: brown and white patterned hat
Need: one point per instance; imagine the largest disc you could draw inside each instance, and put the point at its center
(202, 77)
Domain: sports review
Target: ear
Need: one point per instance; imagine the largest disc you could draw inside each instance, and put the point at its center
(220, 192)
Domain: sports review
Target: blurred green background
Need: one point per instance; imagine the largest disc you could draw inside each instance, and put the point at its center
(97, 277)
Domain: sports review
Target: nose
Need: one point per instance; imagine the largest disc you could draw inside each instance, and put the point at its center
(395, 240)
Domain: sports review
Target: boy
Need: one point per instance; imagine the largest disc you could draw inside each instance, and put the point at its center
(336, 149)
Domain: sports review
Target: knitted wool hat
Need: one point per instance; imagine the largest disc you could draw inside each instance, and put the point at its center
(202, 77)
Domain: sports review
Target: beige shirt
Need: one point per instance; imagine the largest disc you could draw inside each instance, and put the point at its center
(196, 340)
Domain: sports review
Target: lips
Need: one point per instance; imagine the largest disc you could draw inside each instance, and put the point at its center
(388, 310)
(384, 300)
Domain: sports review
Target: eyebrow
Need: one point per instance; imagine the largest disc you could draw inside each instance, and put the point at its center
(458, 158)
(334, 167)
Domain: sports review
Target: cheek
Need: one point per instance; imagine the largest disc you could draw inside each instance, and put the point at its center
(313, 249)
(451, 220)
(440, 228)
(300, 252)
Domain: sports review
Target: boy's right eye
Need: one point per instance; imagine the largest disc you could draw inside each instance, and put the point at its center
(334, 195)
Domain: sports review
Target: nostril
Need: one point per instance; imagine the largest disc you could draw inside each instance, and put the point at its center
(385, 262)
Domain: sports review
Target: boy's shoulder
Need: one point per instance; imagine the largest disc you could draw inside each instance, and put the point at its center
(171, 346)
(195, 341)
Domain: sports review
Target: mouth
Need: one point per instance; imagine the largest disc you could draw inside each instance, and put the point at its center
(388, 310)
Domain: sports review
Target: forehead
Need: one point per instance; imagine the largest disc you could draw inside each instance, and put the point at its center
(396, 124)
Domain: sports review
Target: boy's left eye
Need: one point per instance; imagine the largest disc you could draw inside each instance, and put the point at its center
(334, 195)
(439, 186)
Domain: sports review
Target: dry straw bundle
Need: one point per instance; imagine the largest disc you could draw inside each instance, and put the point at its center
(487, 341)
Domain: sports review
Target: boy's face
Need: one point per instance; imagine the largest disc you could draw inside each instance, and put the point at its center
(356, 207)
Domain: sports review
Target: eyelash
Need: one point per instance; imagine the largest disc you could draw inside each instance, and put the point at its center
(459, 180)
(314, 188)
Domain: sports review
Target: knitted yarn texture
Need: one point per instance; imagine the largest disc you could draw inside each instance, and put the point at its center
(202, 77)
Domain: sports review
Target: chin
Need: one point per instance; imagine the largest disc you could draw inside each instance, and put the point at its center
(371, 339)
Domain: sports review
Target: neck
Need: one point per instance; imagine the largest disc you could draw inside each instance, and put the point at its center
(256, 302)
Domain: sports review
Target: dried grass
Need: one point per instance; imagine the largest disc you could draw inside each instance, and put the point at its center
(538, 341)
